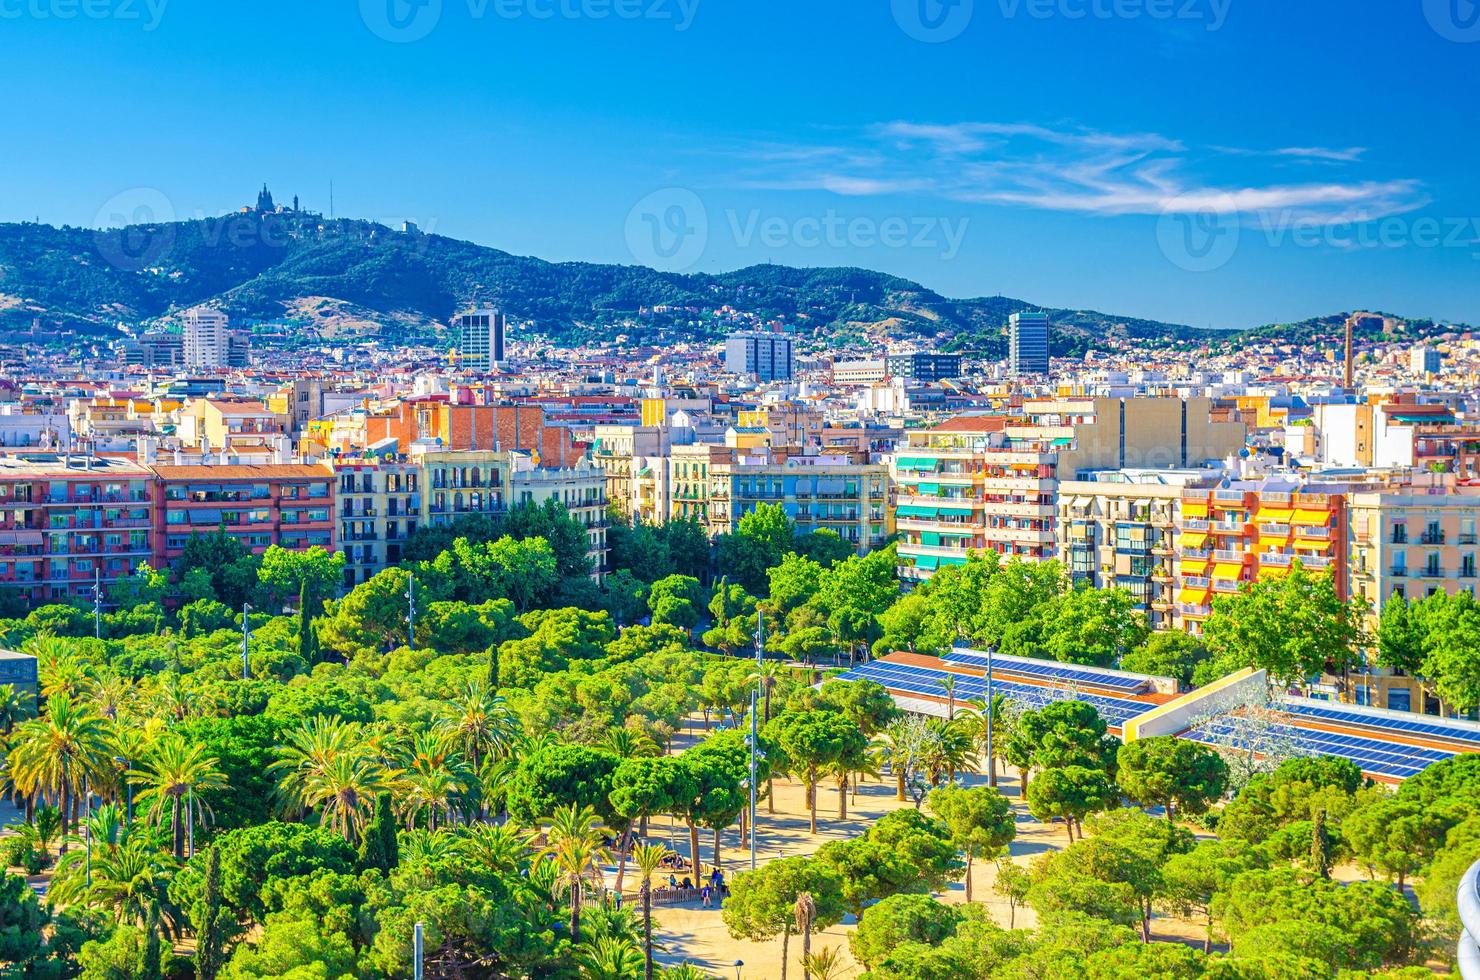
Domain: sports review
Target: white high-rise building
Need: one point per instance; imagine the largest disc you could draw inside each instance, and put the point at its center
(207, 338)
(764, 356)
(481, 335)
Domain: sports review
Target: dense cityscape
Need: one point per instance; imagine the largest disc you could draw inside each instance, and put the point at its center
(663, 490)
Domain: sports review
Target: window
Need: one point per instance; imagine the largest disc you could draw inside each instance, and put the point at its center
(1399, 699)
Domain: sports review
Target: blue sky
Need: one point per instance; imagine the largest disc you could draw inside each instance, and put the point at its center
(1223, 162)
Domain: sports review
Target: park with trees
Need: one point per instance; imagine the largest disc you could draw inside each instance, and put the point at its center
(237, 771)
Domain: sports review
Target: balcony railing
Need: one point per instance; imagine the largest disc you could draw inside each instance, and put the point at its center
(1431, 537)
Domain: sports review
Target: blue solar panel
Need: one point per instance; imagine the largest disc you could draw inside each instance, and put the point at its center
(1435, 728)
(1066, 672)
(911, 679)
(1372, 756)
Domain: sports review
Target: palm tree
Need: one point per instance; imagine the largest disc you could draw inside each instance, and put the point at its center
(345, 786)
(648, 858)
(54, 753)
(310, 752)
(574, 842)
(948, 682)
(112, 693)
(62, 673)
(480, 723)
(608, 958)
(433, 778)
(977, 717)
(768, 673)
(132, 882)
(15, 706)
(895, 747)
(948, 752)
(629, 743)
(494, 847)
(172, 769)
(825, 964)
(805, 913)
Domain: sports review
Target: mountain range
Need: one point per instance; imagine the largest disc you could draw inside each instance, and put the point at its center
(343, 277)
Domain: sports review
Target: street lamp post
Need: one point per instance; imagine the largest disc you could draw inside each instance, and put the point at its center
(411, 612)
(97, 591)
(991, 710)
(246, 639)
(754, 707)
(417, 952)
(128, 788)
(87, 827)
(737, 965)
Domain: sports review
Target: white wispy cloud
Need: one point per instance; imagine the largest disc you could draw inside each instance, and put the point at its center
(1075, 169)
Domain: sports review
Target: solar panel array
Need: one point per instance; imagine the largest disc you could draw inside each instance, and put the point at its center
(1055, 672)
(1371, 756)
(1421, 726)
(912, 679)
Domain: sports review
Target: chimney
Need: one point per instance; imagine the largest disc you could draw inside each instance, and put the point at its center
(1347, 374)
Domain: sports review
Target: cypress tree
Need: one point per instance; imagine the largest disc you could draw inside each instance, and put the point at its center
(1320, 845)
(212, 922)
(379, 848)
(153, 966)
(308, 640)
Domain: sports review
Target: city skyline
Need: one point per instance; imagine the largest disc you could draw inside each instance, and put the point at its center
(618, 139)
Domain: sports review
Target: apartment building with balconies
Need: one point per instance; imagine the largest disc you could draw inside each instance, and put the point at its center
(1235, 534)
(1410, 543)
(378, 506)
(839, 492)
(580, 489)
(991, 482)
(1118, 530)
(457, 483)
(68, 522)
(288, 504)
